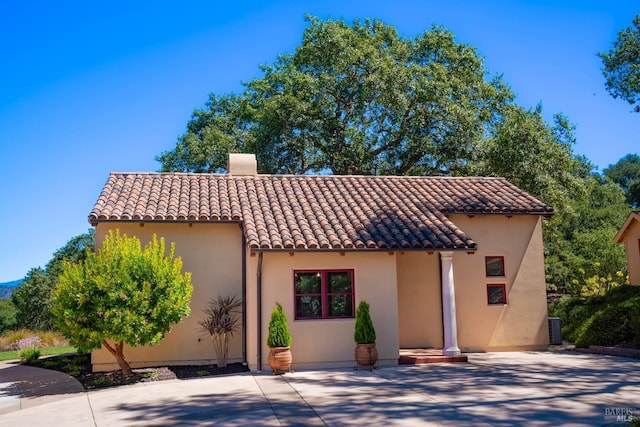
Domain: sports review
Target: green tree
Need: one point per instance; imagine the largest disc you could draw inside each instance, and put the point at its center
(7, 315)
(32, 298)
(622, 65)
(579, 241)
(359, 99)
(529, 153)
(121, 294)
(626, 173)
(352, 99)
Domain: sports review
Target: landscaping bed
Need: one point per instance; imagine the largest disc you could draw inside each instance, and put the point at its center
(79, 367)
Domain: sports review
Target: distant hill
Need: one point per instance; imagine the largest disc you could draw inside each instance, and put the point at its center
(7, 288)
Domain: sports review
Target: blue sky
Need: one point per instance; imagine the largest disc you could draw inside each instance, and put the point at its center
(92, 87)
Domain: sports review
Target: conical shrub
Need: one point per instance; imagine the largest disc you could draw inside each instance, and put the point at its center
(279, 335)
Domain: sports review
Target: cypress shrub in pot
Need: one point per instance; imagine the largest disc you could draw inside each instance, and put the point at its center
(279, 341)
(366, 353)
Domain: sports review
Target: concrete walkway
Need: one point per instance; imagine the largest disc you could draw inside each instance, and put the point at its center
(494, 389)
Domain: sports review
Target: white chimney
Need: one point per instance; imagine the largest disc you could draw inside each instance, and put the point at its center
(241, 164)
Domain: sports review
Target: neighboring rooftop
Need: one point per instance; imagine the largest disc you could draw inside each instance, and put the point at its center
(317, 212)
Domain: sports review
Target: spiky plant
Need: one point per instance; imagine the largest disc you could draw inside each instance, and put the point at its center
(220, 323)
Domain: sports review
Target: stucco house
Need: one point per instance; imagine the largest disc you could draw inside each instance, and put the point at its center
(446, 263)
(629, 235)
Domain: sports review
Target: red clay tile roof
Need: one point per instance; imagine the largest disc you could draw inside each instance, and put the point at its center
(281, 212)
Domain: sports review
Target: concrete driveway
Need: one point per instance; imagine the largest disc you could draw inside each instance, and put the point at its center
(494, 389)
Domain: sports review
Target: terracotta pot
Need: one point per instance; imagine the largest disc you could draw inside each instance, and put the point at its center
(280, 359)
(366, 355)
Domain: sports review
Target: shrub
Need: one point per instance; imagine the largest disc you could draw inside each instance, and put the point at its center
(612, 325)
(220, 323)
(608, 320)
(123, 294)
(279, 335)
(364, 332)
(29, 355)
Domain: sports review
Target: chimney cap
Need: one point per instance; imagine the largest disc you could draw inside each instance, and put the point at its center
(242, 164)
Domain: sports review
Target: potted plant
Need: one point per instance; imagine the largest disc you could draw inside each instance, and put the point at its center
(279, 341)
(365, 336)
(220, 323)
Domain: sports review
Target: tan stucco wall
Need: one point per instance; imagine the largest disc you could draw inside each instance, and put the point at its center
(324, 343)
(402, 288)
(521, 324)
(419, 300)
(632, 245)
(213, 254)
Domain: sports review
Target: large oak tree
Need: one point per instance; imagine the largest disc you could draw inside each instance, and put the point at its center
(352, 99)
(360, 99)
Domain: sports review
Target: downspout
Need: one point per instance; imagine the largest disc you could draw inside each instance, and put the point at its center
(259, 286)
(244, 297)
(440, 296)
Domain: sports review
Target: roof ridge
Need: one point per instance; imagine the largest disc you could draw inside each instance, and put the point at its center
(265, 175)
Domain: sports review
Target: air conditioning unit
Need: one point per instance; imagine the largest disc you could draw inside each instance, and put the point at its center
(555, 333)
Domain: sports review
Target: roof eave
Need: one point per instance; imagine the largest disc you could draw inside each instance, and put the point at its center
(633, 216)
(291, 250)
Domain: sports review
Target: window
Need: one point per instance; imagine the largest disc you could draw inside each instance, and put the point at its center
(497, 294)
(494, 266)
(324, 294)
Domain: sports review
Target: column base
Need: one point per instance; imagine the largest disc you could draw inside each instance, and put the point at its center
(451, 351)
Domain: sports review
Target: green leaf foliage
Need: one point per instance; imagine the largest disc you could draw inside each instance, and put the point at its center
(361, 99)
(622, 67)
(626, 173)
(351, 99)
(364, 332)
(610, 319)
(7, 315)
(579, 240)
(122, 293)
(32, 298)
(279, 335)
(29, 355)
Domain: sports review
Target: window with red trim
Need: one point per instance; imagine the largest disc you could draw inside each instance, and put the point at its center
(323, 294)
(497, 293)
(494, 266)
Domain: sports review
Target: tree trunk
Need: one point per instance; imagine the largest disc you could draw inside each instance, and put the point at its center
(119, 355)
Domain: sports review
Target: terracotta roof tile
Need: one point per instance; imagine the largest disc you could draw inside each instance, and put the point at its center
(283, 212)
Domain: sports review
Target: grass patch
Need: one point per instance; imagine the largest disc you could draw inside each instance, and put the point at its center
(48, 351)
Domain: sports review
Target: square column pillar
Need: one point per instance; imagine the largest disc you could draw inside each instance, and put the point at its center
(449, 306)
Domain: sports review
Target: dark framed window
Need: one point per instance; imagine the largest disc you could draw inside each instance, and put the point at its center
(323, 294)
(494, 266)
(496, 293)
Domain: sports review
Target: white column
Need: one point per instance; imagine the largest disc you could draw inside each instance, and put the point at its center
(449, 306)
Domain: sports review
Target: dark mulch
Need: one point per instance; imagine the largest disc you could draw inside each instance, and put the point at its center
(79, 367)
